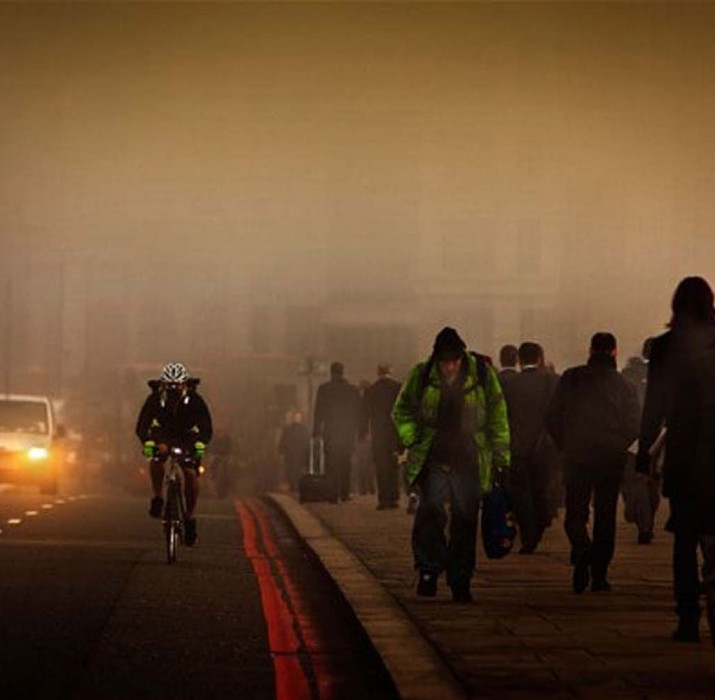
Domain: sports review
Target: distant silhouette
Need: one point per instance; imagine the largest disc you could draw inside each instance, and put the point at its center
(641, 492)
(531, 448)
(337, 407)
(376, 420)
(294, 447)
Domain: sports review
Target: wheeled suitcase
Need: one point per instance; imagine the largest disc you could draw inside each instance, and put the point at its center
(314, 487)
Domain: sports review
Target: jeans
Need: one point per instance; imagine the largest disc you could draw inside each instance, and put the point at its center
(433, 551)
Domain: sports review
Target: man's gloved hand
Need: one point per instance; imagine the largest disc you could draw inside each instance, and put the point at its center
(199, 450)
(148, 448)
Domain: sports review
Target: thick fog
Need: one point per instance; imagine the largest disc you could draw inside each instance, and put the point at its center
(241, 186)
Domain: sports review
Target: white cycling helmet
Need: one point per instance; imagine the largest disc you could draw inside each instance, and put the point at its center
(174, 373)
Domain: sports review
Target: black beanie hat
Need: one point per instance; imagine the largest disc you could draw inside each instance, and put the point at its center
(448, 344)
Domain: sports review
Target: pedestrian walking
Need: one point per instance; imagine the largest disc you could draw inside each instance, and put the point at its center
(363, 469)
(532, 451)
(336, 416)
(641, 492)
(508, 360)
(294, 447)
(593, 419)
(376, 421)
(451, 415)
(679, 399)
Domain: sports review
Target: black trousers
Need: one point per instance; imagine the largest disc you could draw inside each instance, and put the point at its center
(338, 468)
(687, 587)
(386, 472)
(596, 551)
(528, 483)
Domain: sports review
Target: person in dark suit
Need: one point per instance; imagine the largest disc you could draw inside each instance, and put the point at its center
(671, 401)
(376, 420)
(593, 419)
(336, 416)
(531, 450)
(508, 360)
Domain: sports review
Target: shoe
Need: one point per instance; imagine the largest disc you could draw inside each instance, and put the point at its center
(427, 584)
(527, 549)
(413, 503)
(393, 505)
(190, 533)
(686, 632)
(462, 594)
(645, 537)
(711, 622)
(601, 585)
(156, 507)
(581, 577)
(381, 506)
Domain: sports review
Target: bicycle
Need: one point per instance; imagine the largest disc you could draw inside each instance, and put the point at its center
(174, 502)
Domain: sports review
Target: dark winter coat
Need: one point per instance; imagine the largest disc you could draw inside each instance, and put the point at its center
(690, 469)
(507, 378)
(593, 418)
(181, 422)
(671, 356)
(376, 413)
(337, 412)
(527, 402)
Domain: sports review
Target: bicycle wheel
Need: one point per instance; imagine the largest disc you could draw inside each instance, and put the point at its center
(171, 536)
(171, 523)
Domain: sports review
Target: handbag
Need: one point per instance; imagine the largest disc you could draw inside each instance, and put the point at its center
(498, 522)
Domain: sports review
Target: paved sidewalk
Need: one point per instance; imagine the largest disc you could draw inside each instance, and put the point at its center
(526, 635)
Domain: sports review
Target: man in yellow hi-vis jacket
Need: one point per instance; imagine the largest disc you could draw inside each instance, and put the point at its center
(452, 417)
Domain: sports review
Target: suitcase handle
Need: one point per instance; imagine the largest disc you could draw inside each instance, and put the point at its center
(316, 448)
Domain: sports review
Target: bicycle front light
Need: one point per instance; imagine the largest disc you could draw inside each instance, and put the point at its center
(37, 453)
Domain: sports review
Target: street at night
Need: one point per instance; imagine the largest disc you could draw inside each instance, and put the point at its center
(91, 609)
(404, 309)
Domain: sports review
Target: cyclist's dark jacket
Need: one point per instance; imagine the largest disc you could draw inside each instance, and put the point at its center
(181, 422)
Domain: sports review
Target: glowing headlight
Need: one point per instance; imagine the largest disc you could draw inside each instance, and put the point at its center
(35, 453)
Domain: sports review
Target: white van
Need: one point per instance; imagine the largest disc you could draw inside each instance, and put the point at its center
(26, 434)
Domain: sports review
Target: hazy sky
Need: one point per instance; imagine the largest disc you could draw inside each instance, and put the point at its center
(268, 140)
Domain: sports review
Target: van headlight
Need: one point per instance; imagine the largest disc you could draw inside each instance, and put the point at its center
(37, 453)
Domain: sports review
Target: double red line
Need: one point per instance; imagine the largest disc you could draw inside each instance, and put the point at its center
(293, 638)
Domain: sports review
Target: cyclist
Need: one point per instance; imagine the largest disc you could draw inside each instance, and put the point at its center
(175, 415)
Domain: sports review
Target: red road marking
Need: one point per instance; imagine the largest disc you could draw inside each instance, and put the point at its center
(291, 682)
(308, 631)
